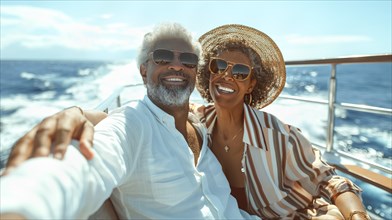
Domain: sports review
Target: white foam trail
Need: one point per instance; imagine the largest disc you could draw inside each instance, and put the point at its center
(100, 83)
(27, 75)
(310, 118)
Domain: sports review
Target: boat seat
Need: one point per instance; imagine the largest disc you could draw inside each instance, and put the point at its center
(366, 175)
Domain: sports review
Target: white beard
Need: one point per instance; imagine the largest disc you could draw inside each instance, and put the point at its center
(175, 96)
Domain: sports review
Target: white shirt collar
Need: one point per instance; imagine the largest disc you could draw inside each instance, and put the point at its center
(160, 115)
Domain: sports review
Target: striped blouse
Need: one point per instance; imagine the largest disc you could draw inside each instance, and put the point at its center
(284, 174)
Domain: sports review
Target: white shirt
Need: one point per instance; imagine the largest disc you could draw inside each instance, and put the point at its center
(143, 157)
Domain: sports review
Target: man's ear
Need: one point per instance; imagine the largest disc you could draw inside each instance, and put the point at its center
(143, 72)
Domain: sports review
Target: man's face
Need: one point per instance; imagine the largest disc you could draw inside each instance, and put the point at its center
(171, 83)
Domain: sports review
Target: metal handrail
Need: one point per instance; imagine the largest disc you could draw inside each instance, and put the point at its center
(290, 97)
(332, 89)
(331, 108)
(104, 105)
(116, 95)
(379, 58)
(365, 108)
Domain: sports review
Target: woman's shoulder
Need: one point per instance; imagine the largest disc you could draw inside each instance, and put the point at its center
(269, 120)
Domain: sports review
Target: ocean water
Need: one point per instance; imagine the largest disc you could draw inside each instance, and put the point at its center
(32, 90)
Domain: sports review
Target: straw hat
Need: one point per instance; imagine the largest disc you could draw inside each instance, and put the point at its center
(270, 75)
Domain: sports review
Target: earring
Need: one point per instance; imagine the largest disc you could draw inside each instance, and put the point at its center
(250, 99)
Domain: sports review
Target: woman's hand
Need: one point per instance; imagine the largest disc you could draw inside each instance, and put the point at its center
(54, 134)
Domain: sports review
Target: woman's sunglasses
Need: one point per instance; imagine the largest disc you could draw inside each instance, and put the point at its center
(164, 57)
(239, 71)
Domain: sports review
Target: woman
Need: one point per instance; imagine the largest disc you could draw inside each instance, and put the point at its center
(272, 169)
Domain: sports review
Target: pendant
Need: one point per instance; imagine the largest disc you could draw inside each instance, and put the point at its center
(227, 148)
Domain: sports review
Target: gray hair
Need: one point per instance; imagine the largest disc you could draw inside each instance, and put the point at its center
(165, 31)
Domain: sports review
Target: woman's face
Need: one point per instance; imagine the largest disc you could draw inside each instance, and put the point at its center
(225, 90)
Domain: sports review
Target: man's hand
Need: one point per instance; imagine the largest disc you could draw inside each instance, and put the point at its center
(59, 130)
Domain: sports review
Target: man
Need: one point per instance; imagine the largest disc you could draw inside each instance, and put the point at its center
(152, 155)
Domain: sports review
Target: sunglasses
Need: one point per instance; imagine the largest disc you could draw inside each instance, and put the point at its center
(239, 71)
(164, 57)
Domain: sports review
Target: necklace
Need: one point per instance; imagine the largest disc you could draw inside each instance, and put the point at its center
(227, 148)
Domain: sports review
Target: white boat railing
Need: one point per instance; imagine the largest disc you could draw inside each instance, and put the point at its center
(382, 181)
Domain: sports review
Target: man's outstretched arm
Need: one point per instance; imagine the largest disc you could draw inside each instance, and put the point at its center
(42, 187)
(47, 188)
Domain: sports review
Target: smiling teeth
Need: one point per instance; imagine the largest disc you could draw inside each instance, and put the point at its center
(225, 89)
(175, 80)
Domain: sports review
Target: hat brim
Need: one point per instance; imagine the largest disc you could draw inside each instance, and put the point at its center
(271, 58)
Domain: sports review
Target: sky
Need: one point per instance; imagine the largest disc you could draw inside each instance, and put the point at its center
(113, 30)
